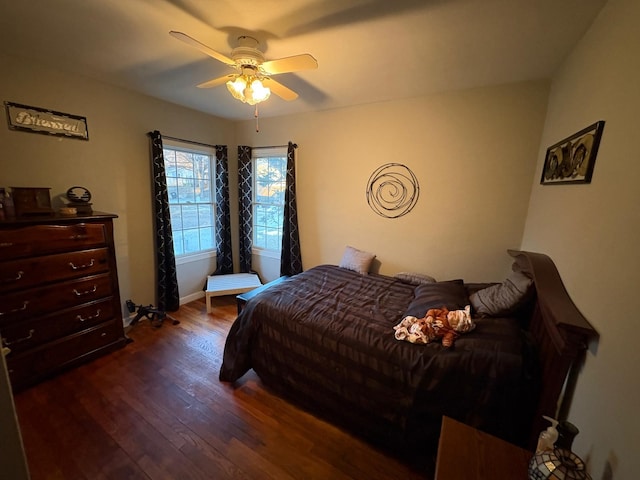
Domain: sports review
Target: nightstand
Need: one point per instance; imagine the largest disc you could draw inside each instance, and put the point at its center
(465, 453)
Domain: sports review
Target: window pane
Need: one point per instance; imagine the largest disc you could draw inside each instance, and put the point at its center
(191, 240)
(259, 215)
(207, 240)
(169, 162)
(178, 248)
(186, 192)
(277, 193)
(203, 191)
(274, 239)
(260, 236)
(273, 216)
(184, 164)
(176, 217)
(205, 215)
(189, 216)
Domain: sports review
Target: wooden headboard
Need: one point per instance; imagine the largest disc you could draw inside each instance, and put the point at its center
(561, 333)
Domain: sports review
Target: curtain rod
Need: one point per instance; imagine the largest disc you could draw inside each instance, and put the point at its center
(188, 141)
(295, 145)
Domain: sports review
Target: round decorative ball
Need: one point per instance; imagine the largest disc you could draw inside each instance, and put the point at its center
(557, 464)
(79, 194)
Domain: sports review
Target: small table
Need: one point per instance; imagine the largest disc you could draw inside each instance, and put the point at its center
(467, 453)
(230, 284)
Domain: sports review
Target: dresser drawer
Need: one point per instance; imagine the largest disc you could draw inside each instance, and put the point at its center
(38, 363)
(41, 239)
(27, 273)
(23, 335)
(38, 301)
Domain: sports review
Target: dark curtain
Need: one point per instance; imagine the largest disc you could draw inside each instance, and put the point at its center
(291, 256)
(224, 255)
(245, 194)
(167, 282)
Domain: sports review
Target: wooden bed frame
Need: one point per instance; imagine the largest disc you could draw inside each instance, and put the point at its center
(562, 335)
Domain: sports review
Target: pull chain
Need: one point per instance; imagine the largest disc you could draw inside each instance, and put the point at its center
(256, 117)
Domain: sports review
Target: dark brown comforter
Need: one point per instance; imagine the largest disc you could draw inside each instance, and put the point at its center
(325, 340)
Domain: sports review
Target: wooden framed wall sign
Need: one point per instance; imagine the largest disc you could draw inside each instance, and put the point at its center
(48, 122)
(572, 160)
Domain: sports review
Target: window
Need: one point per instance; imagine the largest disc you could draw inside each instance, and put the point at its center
(190, 187)
(270, 183)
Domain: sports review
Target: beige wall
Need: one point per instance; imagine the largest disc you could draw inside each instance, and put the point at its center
(473, 152)
(114, 164)
(593, 232)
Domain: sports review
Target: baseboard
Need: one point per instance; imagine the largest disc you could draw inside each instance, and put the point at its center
(191, 297)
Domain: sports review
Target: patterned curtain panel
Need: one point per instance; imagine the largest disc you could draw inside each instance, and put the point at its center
(167, 281)
(245, 187)
(291, 257)
(224, 256)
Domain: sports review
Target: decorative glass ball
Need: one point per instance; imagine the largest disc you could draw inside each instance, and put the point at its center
(557, 464)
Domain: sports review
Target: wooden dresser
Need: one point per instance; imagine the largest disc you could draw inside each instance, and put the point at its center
(59, 297)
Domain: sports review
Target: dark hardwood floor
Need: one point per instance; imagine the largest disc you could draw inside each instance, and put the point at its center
(156, 410)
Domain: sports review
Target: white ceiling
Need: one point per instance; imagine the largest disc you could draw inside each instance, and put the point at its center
(367, 50)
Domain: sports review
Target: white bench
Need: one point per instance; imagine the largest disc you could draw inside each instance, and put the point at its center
(230, 284)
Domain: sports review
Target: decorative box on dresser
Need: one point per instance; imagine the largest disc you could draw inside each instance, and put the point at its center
(59, 298)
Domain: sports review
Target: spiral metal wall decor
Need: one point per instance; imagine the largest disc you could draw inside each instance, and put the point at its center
(392, 190)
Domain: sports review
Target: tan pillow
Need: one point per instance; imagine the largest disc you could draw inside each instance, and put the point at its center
(503, 298)
(357, 260)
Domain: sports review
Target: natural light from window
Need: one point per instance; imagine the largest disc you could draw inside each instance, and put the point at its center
(191, 194)
(270, 175)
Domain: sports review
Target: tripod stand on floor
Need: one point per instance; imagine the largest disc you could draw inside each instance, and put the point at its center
(155, 316)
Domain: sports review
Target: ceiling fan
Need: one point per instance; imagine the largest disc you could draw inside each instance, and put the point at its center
(252, 83)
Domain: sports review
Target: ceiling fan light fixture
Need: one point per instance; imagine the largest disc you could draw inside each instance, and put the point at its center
(258, 92)
(251, 69)
(237, 87)
(248, 89)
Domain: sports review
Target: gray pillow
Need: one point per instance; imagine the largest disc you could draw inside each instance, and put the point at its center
(414, 278)
(356, 260)
(503, 298)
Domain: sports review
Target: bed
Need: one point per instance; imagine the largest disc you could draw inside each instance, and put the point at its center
(324, 339)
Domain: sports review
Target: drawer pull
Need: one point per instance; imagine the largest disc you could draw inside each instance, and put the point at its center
(23, 307)
(82, 267)
(86, 292)
(90, 317)
(79, 237)
(19, 340)
(6, 244)
(14, 279)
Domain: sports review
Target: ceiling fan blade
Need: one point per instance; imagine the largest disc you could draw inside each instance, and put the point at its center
(283, 92)
(295, 63)
(202, 47)
(217, 81)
